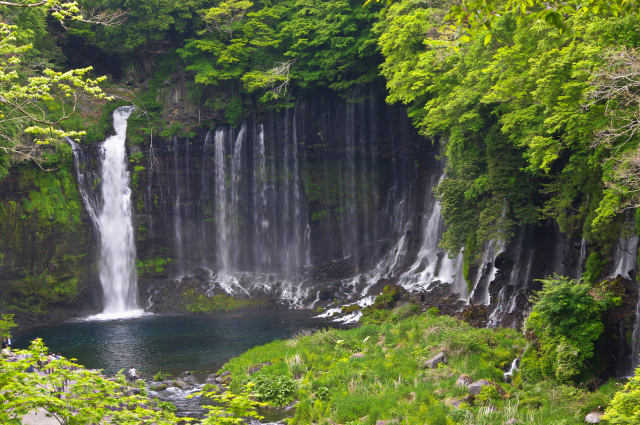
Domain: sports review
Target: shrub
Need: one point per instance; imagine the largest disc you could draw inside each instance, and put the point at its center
(161, 376)
(564, 324)
(488, 394)
(625, 407)
(278, 390)
(6, 324)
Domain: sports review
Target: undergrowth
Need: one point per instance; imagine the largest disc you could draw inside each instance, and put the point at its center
(376, 372)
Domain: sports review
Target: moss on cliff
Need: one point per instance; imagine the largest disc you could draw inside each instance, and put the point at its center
(43, 239)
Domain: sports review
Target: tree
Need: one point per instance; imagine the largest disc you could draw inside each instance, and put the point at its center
(70, 394)
(231, 409)
(34, 102)
(6, 324)
(73, 395)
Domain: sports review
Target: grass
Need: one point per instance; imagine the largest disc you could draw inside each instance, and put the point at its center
(387, 380)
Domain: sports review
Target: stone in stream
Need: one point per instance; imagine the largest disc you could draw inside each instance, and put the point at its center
(179, 383)
(159, 386)
(436, 360)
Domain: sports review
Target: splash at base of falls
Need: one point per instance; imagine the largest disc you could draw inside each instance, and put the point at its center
(123, 315)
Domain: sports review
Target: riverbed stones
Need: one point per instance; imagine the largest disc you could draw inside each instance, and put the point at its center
(593, 418)
(179, 383)
(433, 362)
(159, 387)
(476, 386)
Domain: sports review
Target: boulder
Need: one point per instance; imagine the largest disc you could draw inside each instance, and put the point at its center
(464, 381)
(180, 384)
(455, 403)
(593, 418)
(159, 387)
(436, 360)
(475, 387)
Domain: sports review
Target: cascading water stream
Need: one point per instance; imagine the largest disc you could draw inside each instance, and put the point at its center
(114, 224)
(222, 227)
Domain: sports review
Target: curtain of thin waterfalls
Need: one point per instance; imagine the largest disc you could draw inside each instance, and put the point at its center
(113, 220)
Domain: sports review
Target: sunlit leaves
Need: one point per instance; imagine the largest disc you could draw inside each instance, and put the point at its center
(88, 397)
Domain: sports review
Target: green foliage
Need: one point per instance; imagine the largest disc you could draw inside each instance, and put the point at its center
(513, 101)
(152, 265)
(594, 267)
(277, 390)
(41, 218)
(387, 381)
(161, 376)
(269, 48)
(488, 395)
(199, 303)
(563, 326)
(35, 97)
(88, 398)
(147, 24)
(231, 409)
(6, 324)
(625, 406)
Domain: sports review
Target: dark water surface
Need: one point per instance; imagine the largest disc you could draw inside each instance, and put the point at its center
(165, 342)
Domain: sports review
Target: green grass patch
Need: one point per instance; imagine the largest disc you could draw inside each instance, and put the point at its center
(387, 380)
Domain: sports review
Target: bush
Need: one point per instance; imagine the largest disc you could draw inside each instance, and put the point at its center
(6, 324)
(488, 394)
(564, 324)
(625, 407)
(275, 389)
(161, 376)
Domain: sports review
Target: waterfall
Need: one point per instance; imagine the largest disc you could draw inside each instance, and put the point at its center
(519, 280)
(260, 212)
(485, 274)
(177, 210)
(235, 193)
(581, 258)
(222, 225)
(113, 221)
(624, 257)
(205, 198)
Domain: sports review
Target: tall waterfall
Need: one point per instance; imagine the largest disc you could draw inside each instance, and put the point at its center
(111, 215)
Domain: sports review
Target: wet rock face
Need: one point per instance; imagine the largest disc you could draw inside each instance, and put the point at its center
(617, 338)
(309, 186)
